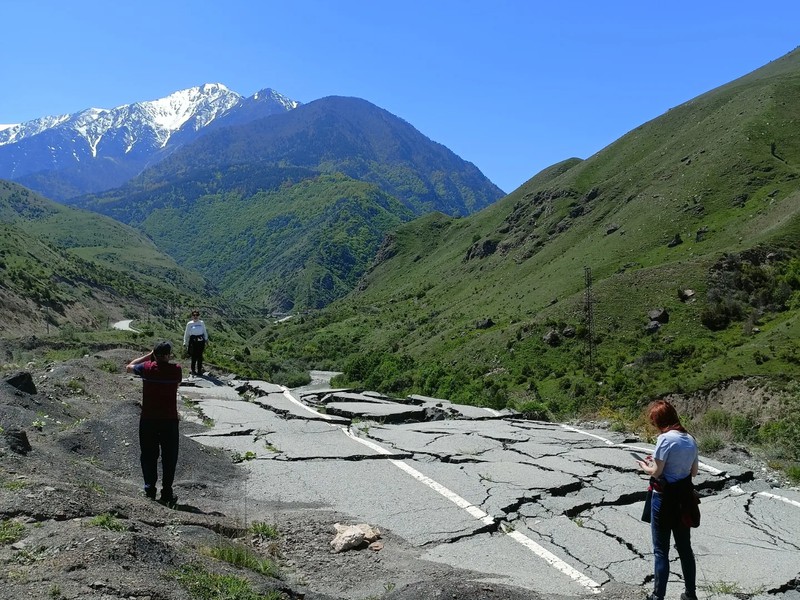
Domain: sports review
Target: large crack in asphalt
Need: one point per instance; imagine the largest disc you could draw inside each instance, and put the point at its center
(507, 444)
(516, 501)
(772, 532)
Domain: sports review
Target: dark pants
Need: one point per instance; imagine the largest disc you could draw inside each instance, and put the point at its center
(158, 436)
(683, 544)
(197, 344)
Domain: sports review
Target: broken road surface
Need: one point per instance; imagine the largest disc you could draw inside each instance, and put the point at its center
(542, 506)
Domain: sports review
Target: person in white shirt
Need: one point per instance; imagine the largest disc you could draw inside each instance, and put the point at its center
(195, 338)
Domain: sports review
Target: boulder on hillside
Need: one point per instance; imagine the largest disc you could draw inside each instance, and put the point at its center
(484, 324)
(676, 241)
(701, 234)
(552, 338)
(17, 440)
(652, 327)
(22, 381)
(658, 314)
(481, 249)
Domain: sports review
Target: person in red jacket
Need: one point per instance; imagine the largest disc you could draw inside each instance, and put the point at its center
(158, 424)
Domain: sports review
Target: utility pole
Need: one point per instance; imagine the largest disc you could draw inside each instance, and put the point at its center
(589, 315)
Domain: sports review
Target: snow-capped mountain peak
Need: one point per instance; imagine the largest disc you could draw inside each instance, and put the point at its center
(204, 103)
(199, 106)
(131, 135)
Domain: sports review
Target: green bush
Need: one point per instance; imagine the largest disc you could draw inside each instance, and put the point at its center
(11, 531)
(108, 521)
(536, 411)
(710, 443)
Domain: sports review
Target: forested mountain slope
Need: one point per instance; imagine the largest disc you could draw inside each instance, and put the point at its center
(286, 213)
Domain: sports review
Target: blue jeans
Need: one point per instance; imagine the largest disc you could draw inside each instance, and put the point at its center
(683, 544)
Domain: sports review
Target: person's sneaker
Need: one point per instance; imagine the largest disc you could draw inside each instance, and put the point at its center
(150, 492)
(168, 497)
(685, 596)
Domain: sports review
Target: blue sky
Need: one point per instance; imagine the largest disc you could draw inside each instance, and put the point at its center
(510, 85)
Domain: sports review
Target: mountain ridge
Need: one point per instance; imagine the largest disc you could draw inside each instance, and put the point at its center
(338, 151)
(54, 154)
(347, 135)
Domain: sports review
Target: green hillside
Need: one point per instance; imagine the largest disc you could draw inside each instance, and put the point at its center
(297, 247)
(271, 237)
(696, 212)
(343, 135)
(61, 266)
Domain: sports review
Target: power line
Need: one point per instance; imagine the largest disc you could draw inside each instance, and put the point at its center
(589, 315)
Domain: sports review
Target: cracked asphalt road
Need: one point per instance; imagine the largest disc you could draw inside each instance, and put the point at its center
(546, 507)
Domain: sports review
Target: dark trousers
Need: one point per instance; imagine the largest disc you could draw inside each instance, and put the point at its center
(197, 344)
(158, 436)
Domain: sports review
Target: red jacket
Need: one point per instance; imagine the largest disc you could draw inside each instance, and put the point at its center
(160, 383)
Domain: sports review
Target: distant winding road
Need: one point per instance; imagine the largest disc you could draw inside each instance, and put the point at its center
(125, 326)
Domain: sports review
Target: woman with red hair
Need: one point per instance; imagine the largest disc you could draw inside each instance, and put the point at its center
(673, 507)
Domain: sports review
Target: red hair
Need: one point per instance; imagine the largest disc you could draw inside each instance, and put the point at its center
(664, 416)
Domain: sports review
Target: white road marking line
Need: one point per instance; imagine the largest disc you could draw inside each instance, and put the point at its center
(702, 465)
(781, 498)
(738, 490)
(287, 394)
(483, 517)
(576, 430)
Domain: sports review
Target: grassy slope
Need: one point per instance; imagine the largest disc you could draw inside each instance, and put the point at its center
(300, 245)
(81, 268)
(725, 163)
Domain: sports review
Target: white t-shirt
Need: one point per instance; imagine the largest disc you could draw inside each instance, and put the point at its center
(194, 328)
(678, 450)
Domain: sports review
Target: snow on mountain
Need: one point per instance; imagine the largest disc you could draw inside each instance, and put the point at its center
(99, 147)
(15, 133)
(197, 106)
(161, 117)
(274, 96)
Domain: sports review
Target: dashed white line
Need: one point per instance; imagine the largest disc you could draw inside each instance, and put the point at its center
(736, 489)
(781, 498)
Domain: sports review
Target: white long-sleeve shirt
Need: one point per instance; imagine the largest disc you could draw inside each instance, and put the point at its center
(194, 328)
